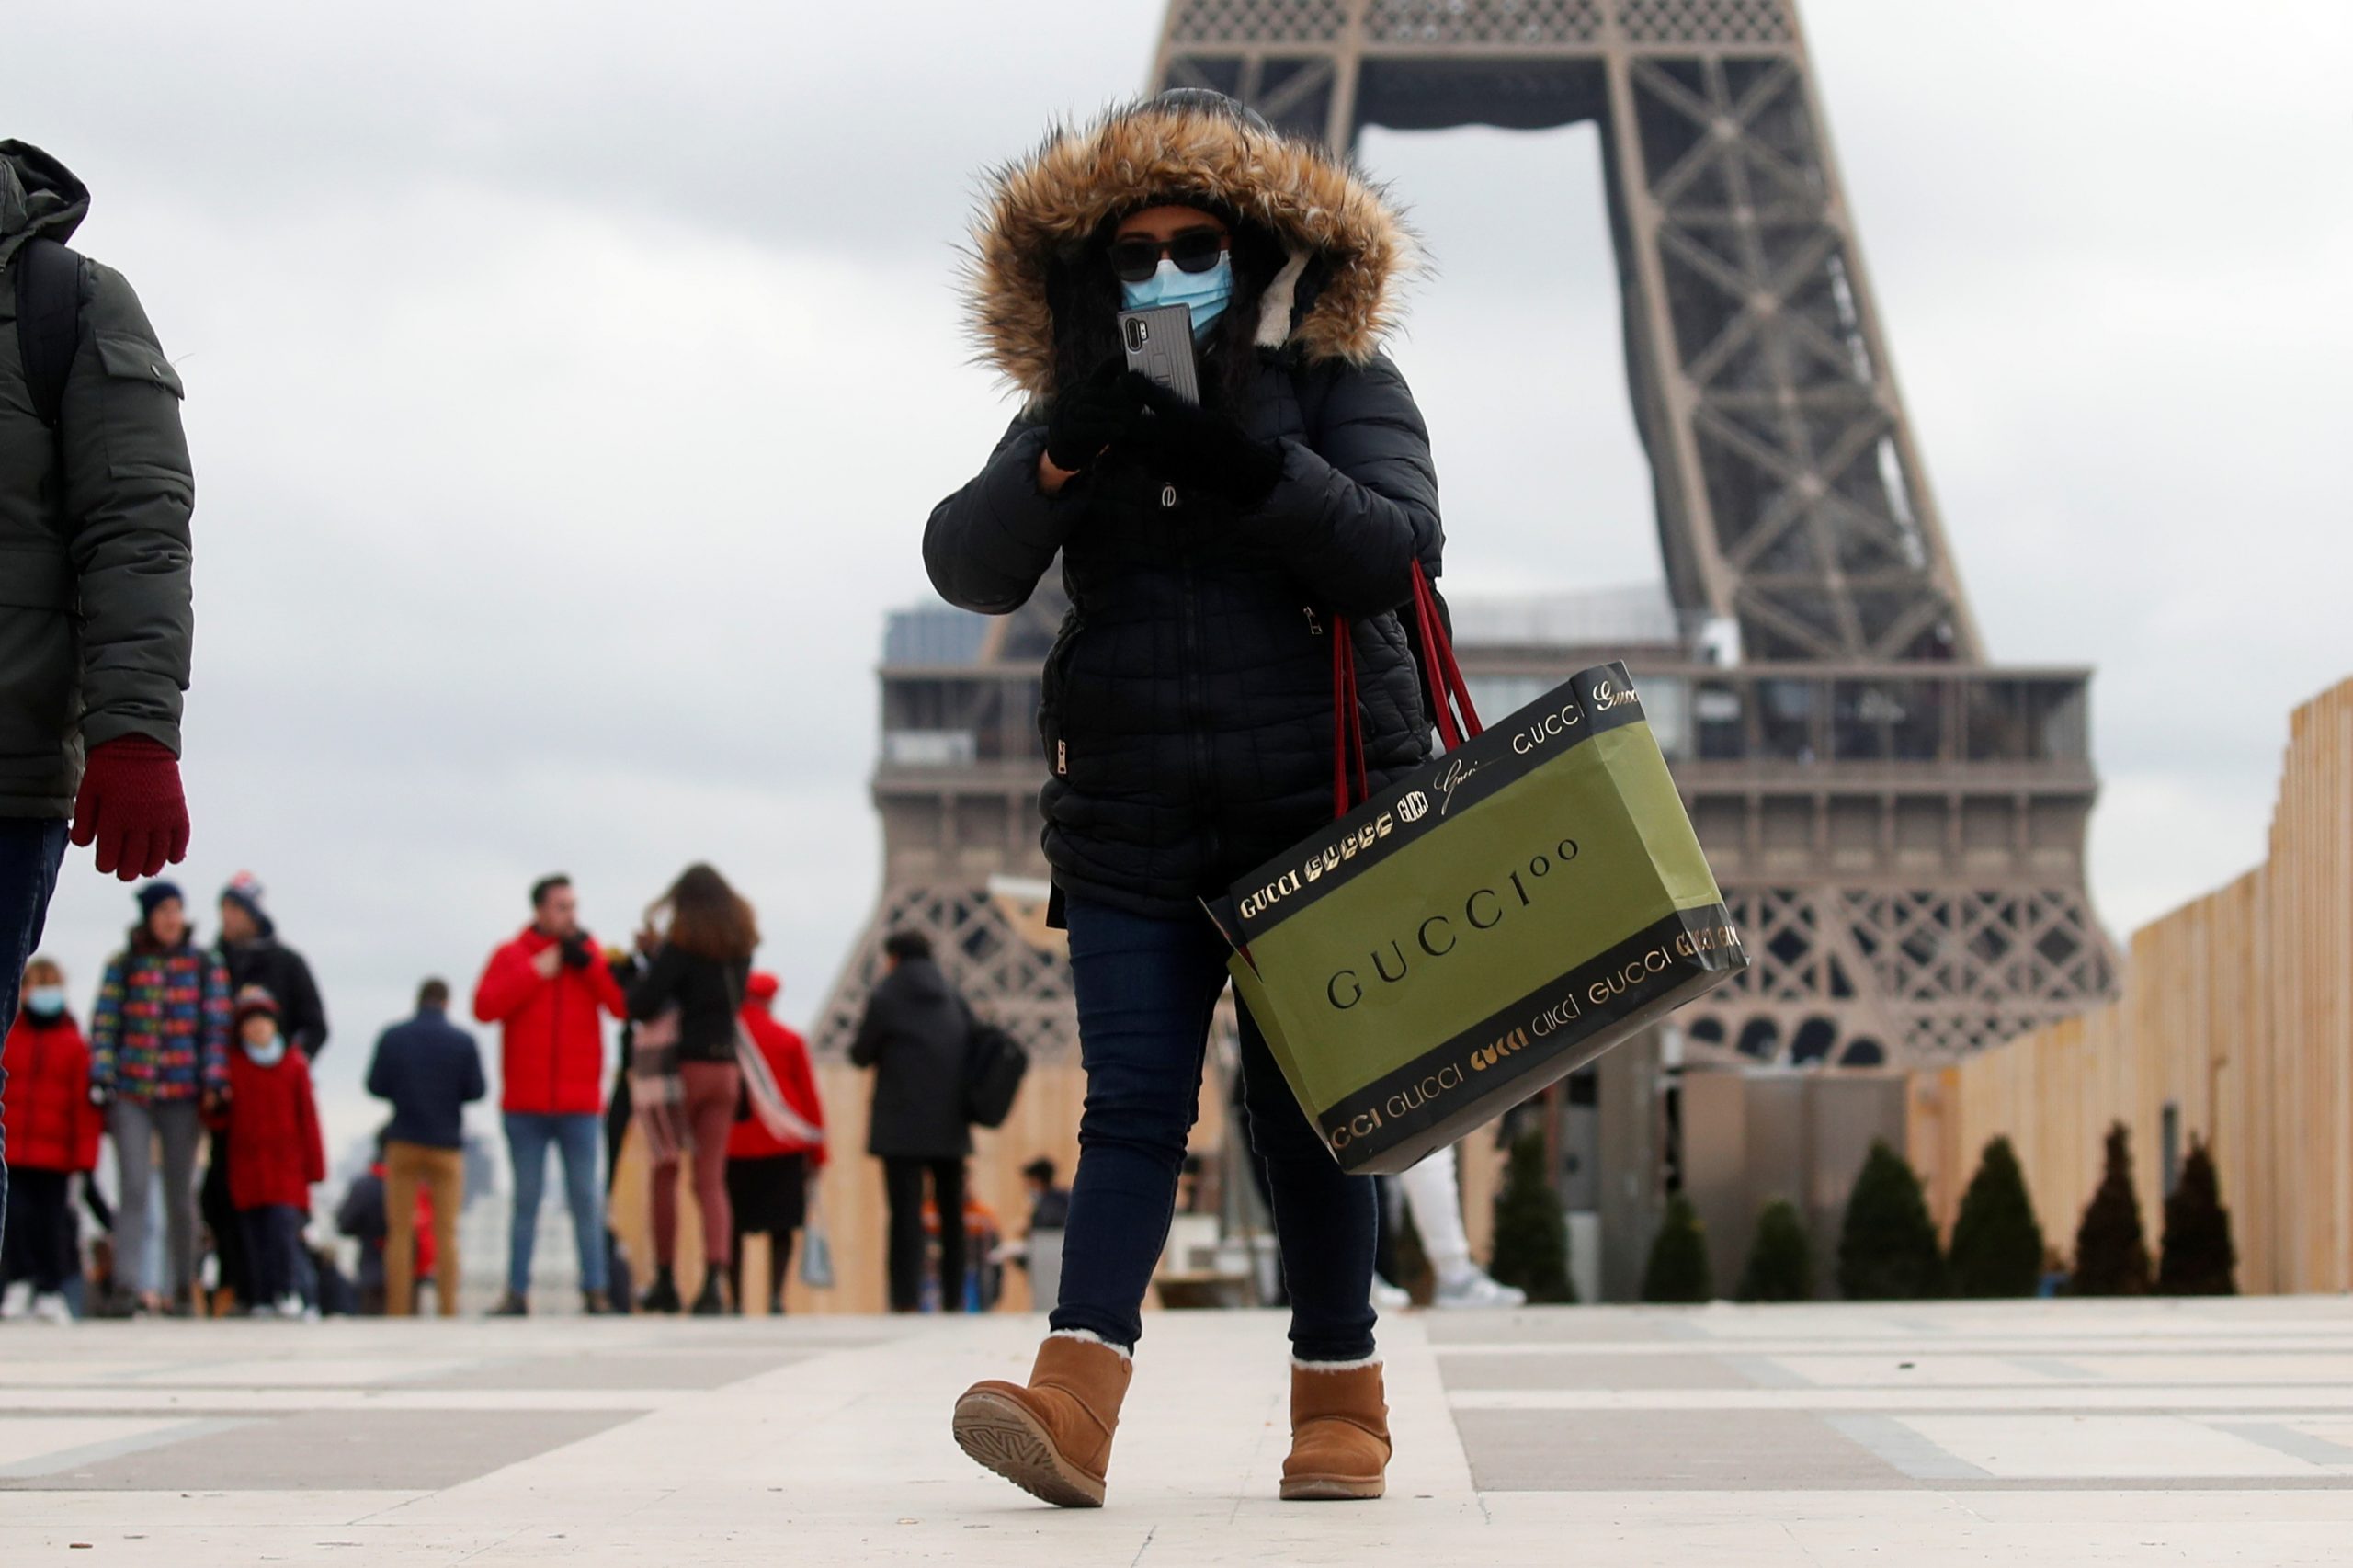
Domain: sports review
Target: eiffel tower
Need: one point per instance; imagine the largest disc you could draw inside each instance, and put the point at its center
(1899, 824)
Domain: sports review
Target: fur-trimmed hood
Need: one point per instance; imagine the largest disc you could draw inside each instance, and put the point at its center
(1349, 249)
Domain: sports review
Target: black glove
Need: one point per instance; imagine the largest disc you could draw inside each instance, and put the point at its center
(577, 953)
(1201, 450)
(1091, 415)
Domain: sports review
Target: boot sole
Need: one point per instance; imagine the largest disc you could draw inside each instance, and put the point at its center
(1001, 1437)
(1334, 1489)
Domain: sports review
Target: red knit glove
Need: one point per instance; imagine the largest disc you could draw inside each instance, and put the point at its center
(132, 808)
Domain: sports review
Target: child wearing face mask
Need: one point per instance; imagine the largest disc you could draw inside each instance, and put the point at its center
(52, 1133)
(276, 1151)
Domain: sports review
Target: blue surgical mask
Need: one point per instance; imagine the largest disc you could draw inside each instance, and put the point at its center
(267, 1055)
(46, 1001)
(1204, 293)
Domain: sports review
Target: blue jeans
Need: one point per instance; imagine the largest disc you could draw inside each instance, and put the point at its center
(1146, 990)
(32, 849)
(528, 1137)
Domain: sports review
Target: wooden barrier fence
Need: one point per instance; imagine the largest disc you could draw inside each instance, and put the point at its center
(2235, 1026)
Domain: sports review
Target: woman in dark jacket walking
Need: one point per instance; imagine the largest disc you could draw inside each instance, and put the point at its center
(698, 964)
(1210, 555)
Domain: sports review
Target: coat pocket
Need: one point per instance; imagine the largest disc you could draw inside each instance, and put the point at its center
(140, 412)
(1053, 682)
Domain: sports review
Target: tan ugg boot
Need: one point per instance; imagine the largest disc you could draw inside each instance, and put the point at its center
(1052, 1438)
(1339, 1434)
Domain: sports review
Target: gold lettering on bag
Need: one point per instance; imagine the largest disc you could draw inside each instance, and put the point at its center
(1606, 697)
(1544, 731)
(1551, 1018)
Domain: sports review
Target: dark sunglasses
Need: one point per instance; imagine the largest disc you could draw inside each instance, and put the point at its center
(1137, 257)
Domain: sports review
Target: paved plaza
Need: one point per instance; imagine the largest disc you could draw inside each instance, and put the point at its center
(2071, 1433)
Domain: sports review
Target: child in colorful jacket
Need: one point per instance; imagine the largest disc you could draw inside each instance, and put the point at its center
(276, 1151)
(159, 1042)
(52, 1133)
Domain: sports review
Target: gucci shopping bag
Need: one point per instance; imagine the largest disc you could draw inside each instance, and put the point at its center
(1499, 917)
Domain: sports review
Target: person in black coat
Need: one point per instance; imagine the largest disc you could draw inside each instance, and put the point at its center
(915, 1034)
(1214, 556)
(697, 941)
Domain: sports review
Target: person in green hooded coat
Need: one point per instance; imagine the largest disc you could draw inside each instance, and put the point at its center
(95, 618)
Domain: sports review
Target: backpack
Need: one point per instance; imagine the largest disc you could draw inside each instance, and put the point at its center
(49, 319)
(994, 1065)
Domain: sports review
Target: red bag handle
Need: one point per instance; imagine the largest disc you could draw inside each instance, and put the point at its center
(1457, 720)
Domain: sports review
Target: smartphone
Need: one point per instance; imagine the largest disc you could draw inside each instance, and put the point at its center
(1159, 342)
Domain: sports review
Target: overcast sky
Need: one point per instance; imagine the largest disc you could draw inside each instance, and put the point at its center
(568, 384)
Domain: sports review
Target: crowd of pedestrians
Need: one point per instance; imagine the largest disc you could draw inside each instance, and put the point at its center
(187, 1038)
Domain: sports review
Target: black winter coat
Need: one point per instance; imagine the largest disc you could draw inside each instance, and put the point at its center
(1187, 705)
(1186, 714)
(913, 1035)
(285, 975)
(708, 993)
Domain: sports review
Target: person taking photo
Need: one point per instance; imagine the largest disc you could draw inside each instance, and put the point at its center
(1212, 554)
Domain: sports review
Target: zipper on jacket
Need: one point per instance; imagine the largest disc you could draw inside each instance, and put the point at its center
(1197, 760)
(555, 1034)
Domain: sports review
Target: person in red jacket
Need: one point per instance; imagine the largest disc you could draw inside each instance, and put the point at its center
(768, 1174)
(546, 990)
(52, 1133)
(276, 1151)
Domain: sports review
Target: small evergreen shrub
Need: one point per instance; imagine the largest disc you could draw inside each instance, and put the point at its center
(2198, 1257)
(1996, 1242)
(1678, 1271)
(1887, 1245)
(2111, 1250)
(1531, 1246)
(1780, 1260)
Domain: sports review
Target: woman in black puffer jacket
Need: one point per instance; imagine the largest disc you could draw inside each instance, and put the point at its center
(1211, 554)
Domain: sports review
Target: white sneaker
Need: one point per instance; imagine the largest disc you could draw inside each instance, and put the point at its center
(290, 1306)
(1388, 1297)
(262, 1310)
(51, 1308)
(16, 1299)
(1473, 1287)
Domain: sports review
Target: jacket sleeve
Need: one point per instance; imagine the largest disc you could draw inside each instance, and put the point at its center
(800, 1084)
(215, 1041)
(874, 1030)
(656, 985)
(1354, 510)
(508, 982)
(306, 1013)
(315, 1147)
(105, 1025)
(129, 493)
(607, 990)
(380, 1069)
(475, 1087)
(90, 1126)
(987, 545)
